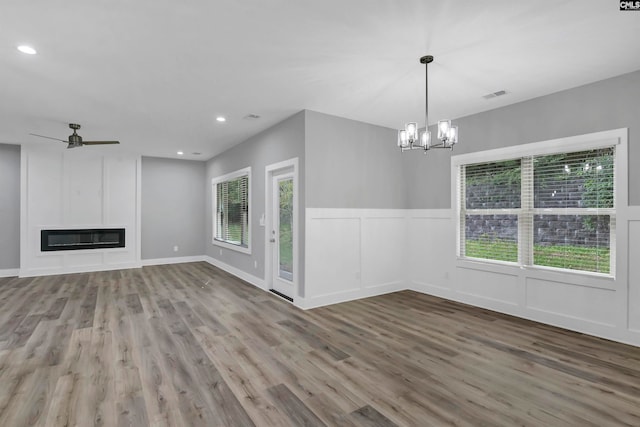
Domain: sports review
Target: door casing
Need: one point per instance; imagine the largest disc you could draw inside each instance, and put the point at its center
(271, 171)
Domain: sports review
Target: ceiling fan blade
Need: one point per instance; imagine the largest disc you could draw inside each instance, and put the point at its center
(99, 142)
(48, 137)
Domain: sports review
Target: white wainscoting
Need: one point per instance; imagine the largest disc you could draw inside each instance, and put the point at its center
(633, 303)
(497, 287)
(600, 306)
(582, 303)
(352, 254)
(429, 263)
(89, 187)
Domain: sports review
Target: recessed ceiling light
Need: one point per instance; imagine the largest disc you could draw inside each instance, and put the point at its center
(27, 49)
(221, 119)
(180, 153)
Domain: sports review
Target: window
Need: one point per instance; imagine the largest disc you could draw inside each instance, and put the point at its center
(552, 210)
(231, 210)
(492, 202)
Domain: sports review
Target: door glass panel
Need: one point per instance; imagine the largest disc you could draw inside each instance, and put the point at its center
(285, 251)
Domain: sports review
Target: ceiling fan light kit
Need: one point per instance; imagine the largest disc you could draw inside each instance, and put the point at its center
(74, 140)
(410, 138)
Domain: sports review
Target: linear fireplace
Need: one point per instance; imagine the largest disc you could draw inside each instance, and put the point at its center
(93, 238)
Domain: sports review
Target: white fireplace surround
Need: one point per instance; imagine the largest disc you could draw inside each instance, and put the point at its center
(89, 187)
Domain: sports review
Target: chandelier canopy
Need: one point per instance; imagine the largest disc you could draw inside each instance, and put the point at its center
(410, 138)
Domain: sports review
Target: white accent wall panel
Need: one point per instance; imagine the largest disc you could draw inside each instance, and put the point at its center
(333, 261)
(43, 186)
(83, 185)
(492, 286)
(583, 303)
(352, 253)
(430, 248)
(383, 249)
(89, 187)
(634, 275)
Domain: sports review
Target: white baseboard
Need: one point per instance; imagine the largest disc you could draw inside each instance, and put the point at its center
(173, 260)
(429, 289)
(255, 281)
(335, 298)
(554, 319)
(82, 269)
(9, 272)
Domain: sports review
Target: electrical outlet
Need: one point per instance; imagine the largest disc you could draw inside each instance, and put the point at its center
(255, 264)
(220, 251)
(175, 248)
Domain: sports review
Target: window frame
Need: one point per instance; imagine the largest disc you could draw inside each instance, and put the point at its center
(615, 138)
(214, 209)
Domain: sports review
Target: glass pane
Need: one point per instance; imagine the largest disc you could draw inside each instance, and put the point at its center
(493, 185)
(232, 224)
(235, 228)
(576, 242)
(574, 180)
(491, 237)
(285, 189)
(220, 210)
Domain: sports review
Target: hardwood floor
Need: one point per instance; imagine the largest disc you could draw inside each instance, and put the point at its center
(189, 345)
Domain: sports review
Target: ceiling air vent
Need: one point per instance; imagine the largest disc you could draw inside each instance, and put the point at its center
(495, 94)
(252, 117)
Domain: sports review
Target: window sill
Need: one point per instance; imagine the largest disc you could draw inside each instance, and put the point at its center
(232, 247)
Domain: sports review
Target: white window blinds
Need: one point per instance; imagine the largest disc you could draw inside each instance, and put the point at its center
(232, 211)
(491, 201)
(573, 210)
(555, 210)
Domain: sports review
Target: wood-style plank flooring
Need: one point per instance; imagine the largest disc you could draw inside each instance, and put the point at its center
(189, 345)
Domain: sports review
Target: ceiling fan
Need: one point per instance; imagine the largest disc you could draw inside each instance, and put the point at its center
(75, 140)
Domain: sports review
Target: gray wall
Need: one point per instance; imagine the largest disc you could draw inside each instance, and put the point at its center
(608, 104)
(9, 206)
(173, 207)
(352, 164)
(280, 142)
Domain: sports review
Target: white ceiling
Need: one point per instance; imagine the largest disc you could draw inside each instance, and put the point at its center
(154, 74)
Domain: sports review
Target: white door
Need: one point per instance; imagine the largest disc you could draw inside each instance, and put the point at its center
(282, 234)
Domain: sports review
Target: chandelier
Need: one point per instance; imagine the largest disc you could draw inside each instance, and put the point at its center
(408, 138)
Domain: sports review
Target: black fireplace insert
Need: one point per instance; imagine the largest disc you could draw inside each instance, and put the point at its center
(93, 238)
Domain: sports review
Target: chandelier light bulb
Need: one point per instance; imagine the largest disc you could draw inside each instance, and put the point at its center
(412, 131)
(425, 140)
(402, 139)
(443, 128)
(453, 135)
